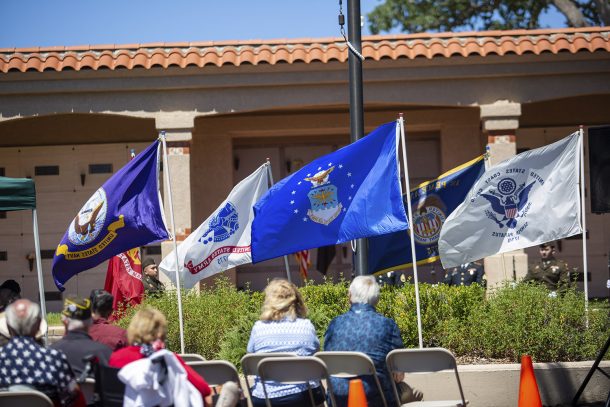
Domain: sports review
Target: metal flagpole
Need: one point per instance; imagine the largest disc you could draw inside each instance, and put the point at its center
(286, 264)
(171, 215)
(43, 306)
(584, 224)
(410, 212)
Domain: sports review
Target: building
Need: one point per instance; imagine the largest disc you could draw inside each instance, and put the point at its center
(70, 115)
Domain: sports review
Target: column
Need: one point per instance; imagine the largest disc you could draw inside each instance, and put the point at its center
(500, 120)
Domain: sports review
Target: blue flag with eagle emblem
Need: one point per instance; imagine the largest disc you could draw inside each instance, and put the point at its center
(432, 202)
(349, 194)
(122, 214)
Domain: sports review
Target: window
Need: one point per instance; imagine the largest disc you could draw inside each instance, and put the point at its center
(151, 250)
(47, 254)
(100, 168)
(3, 256)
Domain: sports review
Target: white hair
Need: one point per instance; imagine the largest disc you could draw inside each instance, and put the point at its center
(76, 324)
(23, 316)
(364, 290)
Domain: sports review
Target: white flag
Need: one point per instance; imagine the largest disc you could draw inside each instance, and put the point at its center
(524, 201)
(222, 241)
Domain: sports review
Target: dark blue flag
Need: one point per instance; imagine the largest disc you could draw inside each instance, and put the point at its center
(432, 202)
(351, 193)
(124, 213)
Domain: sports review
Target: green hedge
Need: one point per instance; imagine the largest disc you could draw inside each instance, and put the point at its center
(511, 322)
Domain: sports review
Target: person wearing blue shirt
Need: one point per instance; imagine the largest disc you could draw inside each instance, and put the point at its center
(362, 329)
(283, 328)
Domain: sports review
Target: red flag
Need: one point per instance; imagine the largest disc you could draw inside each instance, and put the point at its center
(124, 279)
(304, 262)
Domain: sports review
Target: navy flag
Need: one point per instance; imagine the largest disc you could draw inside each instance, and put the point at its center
(432, 202)
(351, 193)
(122, 214)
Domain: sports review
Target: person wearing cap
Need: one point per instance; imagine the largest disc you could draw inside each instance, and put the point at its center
(76, 343)
(24, 363)
(553, 273)
(102, 330)
(150, 275)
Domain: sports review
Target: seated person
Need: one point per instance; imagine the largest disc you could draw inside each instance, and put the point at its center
(362, 329)
(146, 334)
(283, 328)
(76, 343)
(24, 362)
(466, 274)
(103, 331)
(553, 273)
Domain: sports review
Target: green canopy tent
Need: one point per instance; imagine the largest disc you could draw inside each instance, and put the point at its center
(18, 194)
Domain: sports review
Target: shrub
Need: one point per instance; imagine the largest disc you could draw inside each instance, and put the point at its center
(511, 322)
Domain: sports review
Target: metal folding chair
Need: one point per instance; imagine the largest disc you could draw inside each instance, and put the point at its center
(294, 370)
(191, 357)
(428, 360)
(349, 365)
(249, 364)
(217, 372)
(29, 398)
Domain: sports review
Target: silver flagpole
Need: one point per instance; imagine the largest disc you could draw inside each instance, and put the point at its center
(43, 304)
(584, 224)
(171, 215)
(286, 264)
(410, 212)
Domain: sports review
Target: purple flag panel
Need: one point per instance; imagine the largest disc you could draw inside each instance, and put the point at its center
(122, 214)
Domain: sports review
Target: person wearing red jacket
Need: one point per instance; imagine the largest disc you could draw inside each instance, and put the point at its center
(146, 335)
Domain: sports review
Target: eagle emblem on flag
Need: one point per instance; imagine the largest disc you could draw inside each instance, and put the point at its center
(508, 201)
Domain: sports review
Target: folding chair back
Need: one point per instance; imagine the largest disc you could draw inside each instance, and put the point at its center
(348, 365)
(216, 372)
(109, 389)
(249, 363)
(191, 357)
(428, 360)
(294, 370)
(29, 398)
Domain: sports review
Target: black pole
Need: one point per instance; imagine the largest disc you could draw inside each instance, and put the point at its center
(356, 113)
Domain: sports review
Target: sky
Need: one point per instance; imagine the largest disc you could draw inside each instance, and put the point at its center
(29, 23)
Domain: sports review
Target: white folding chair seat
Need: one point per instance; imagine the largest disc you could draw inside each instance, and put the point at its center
(249, 364)
(419, 361)
(29, 398)
(350, 365)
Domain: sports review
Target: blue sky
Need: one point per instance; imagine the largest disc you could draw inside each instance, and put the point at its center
(28, 23)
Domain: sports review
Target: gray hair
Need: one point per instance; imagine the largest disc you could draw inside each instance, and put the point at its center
(364, 290)
(23, 317)
(73, 324)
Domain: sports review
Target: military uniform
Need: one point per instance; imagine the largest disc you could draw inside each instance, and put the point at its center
(552, 273)
(152, 285)
(465, 274)
(397, 279)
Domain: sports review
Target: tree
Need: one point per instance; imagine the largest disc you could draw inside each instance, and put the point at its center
(447, 15)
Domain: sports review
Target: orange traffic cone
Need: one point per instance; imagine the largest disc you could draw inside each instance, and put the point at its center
(356, 396)
(528, 388)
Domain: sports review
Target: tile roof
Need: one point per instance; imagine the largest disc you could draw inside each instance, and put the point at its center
(307, 50)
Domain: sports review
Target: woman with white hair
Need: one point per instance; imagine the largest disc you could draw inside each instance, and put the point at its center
(362, 329)
(283, 327)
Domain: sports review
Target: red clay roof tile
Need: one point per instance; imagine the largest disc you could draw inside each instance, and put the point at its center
(305, 50)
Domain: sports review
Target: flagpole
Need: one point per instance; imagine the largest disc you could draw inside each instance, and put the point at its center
(584, 224)
(410, 212)
(43, 306)
(286, 264)
(171, 215)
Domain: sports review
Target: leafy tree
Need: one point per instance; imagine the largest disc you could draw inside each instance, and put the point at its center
(447, 15)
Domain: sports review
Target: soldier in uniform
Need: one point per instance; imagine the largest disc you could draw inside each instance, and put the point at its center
(395, 278)
(466, 274)
(553, 273)
(150, 280)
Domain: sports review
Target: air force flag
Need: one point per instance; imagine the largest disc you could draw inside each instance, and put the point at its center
(524, 201)
(122, 214)
(223, 239)
(351, 193)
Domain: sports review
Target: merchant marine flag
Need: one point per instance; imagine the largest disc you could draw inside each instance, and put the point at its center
(529, 199)
(349, 194)
(125, 212)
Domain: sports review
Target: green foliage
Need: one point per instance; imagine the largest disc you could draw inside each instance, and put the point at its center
(511, 322)
(53, 318)
(447, 15)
